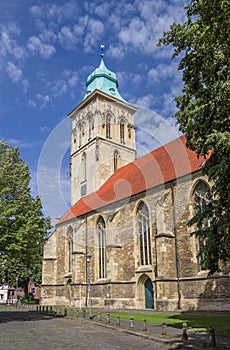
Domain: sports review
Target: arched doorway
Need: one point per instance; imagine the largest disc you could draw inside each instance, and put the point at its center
(149, 299)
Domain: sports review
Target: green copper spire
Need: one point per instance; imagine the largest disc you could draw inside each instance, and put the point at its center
(104, 80)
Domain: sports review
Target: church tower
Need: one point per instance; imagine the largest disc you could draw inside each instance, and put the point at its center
(103, 133)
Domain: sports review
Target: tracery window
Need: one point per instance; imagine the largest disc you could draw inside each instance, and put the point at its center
(83, 175)
(101, 247)
(80, 135)
(122, 131)
(115, 160)
(83, 167)
(90, 128)
(202, 196)
(70, 248)
(144, 234)
(107, 125)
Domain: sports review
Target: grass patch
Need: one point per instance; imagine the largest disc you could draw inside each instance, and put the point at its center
(196, 322)
(200, 323)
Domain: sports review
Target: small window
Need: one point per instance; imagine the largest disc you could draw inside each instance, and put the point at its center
(33, 290)
(70, 246)
(115, 160)
(122, 132)
(108, 134)
(70, 254)
(83, 190)
(83, 167)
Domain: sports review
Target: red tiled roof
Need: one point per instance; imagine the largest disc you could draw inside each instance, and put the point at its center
(164, 164)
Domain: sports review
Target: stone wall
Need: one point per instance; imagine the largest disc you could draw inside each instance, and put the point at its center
(175, 272)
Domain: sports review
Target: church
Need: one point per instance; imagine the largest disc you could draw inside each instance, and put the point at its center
(124, 242)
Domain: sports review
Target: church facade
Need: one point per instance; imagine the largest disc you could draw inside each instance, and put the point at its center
(125, 243)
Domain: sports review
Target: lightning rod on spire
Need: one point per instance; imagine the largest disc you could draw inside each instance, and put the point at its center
(102, 50)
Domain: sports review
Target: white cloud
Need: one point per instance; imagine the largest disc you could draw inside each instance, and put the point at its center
(153, 130)
(55, 13)
(94, 31)
(137, 34)
(129, 78)
(31, 103)
(59, 88)
(9, 46)
(45, 129)
(20, 143)
(103, 9)
(164, 71)
(145, 101)
(72, 77)
(67, 38)
(168, 103)
(16, 75)
(116, 51)
(48, 36)
(36, 46)
(43, 99)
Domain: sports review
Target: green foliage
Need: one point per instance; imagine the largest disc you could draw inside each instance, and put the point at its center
(23, 228)
(29, 299)
(203, 45)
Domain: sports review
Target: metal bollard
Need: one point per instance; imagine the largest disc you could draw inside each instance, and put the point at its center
(212, 338)
(131, 322)
(84, 313)
(184, 331)
(163, 328)
(118, 321)
(65, 312)
(99, 316)
(144, 329)
(108, 318)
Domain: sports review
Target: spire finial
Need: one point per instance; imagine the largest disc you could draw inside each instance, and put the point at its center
(102, 50)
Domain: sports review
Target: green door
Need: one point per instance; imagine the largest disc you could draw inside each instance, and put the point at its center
(149, 302)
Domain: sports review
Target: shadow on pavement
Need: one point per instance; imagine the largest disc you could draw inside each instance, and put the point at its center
(10, 314)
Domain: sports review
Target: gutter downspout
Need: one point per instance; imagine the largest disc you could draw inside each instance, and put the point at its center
(176, 247)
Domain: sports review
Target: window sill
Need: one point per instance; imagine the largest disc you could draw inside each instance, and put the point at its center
(144, 268)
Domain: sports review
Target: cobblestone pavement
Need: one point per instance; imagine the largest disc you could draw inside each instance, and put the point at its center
(21, 329)
(28, 330)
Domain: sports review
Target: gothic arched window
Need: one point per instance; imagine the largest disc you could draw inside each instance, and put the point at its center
(70, 250)
(107, 125)
(122, 131)
(90, 127)
(101, 247)
(83, 167)
(202, 196)
(115, 160)
(83, 175)
(144, 234)
(80, 134)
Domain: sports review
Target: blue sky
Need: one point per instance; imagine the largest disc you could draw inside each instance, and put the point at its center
(47, 50)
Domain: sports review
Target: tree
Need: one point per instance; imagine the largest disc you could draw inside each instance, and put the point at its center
(23, 227)
(202, 45)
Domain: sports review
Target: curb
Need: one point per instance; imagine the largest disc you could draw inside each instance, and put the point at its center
(143, 335)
